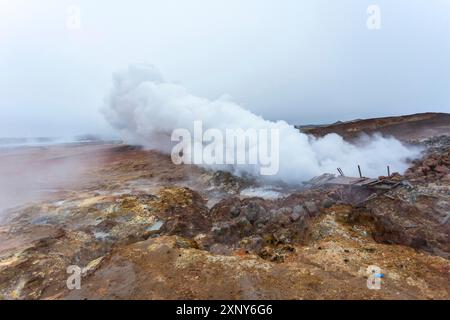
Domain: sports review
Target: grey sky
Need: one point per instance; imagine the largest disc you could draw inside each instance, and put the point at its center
(303, 61)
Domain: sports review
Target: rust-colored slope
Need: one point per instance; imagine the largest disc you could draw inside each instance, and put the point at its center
(409, 127)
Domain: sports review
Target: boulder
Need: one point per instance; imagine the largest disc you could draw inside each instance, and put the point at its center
(311, 207)
(297, 213)
(253, 211)
(327, 203)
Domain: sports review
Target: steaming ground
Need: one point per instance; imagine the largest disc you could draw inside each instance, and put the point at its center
(146, 109)
(35, 173)
(129, 213)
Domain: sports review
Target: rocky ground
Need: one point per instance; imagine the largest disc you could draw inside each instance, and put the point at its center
(143, 228)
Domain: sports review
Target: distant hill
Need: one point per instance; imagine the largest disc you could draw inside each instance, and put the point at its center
(408, 127)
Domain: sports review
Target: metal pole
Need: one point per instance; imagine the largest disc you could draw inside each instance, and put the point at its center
(389, 171)
(359, 169)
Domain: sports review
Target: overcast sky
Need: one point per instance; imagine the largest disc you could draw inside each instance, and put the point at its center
(311, 61)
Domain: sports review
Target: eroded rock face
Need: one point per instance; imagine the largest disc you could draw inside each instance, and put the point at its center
(39, 244)
(434, 166)
(226, 181)
(420, 221)
(417, 214)
(38, 263)
(159, 269)
(255, 224)
(146, 233)
(241, 248)
(184, 212)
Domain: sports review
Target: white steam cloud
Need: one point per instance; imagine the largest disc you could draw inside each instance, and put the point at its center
(146, 109)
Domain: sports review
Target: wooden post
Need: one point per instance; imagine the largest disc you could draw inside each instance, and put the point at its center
(359, 169)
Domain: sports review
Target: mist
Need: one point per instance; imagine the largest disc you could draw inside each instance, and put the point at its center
(145, 109)
(32, 174)
(299, 61)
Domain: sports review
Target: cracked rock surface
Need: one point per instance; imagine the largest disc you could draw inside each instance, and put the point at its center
(140, 227)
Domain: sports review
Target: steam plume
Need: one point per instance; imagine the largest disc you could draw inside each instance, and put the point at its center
(146, 109)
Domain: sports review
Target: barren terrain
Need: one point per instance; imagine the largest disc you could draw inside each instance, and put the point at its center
(405, 128)
(141, 227)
